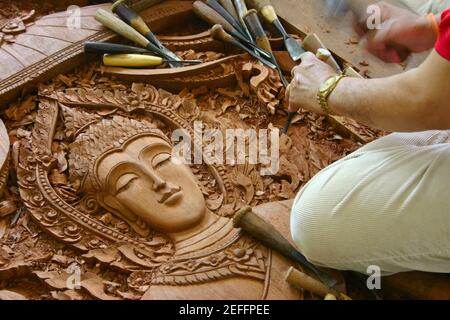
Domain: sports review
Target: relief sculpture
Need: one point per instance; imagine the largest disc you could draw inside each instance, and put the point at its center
(125, 194)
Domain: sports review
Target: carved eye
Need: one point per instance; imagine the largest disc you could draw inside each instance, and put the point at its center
(160, 159)
(125, 181)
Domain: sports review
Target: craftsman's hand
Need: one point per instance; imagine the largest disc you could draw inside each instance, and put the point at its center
(400, 33)
(307, 78)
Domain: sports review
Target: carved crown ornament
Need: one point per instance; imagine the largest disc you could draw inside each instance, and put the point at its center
(15, 26)
(101, 128)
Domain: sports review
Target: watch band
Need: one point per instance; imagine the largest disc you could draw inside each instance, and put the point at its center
(322, 97)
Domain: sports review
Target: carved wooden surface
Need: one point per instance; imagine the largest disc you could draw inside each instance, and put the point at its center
(216, 262)
(46, 47)
(4, 155)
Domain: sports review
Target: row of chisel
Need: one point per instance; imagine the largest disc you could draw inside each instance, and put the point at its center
(126, 22)
(234, 23)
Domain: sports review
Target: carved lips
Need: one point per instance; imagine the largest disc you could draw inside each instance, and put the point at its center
(171, 197)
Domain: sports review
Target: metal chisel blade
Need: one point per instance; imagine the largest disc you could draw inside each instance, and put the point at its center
(294, 48)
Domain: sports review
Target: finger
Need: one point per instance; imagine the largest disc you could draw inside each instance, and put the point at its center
(294, 71)
(288, 93)
(307, 57)
(391, 55)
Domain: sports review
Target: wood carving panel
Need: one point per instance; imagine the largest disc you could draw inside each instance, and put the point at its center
(178, 232)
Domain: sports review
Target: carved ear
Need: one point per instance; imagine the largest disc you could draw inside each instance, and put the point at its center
(111, 204)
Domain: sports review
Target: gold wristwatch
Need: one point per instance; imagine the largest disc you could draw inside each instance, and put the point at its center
(325, 90)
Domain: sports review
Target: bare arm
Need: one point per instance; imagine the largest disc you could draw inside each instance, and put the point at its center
(412, 101)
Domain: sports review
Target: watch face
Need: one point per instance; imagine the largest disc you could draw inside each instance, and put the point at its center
(327, 84)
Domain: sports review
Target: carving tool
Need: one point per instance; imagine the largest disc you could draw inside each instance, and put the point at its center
(211, 16)
(241, 9)
(258, 32)
(256, 29)
(134, 20)
(324, 55)
(137, 60)
(269, 13)
(229, 6)
(218, 33)
(112, 22)
(302, 281)
(107, 47)
(264, 232)
(131, 53)
(227, 16)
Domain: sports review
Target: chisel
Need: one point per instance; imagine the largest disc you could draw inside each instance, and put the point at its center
(212, 17)
(264, 232)
(241, 9)
(133, 52)
(112, 22)
(258, 33)
(137, 60)
(269, 13)
(135, 21)
(107, 47)
(218, 33)
(256, 29)
(229, 6)
(227, 16)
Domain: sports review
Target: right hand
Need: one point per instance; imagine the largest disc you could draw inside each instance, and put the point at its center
(401, 32)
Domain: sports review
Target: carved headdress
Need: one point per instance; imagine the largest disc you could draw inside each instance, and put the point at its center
(94, 136)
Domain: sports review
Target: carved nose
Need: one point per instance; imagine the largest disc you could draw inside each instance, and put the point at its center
(159, 184)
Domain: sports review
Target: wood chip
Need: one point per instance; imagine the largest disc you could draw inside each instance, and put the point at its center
(11, 295)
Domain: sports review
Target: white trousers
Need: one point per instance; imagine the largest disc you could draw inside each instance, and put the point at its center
(386, 205)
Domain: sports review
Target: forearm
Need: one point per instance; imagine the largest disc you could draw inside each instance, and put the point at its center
(412, 101)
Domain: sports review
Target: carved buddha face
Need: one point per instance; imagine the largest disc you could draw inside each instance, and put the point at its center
(141, 183)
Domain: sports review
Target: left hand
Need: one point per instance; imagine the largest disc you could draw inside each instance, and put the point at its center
(307, 78)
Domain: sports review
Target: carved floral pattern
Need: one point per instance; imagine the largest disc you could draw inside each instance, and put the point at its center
(16, 26)
(244, 257)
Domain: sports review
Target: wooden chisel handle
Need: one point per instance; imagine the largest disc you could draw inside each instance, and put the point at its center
(224, 13)
(241, 8)
(229, 6)
(301, 281)
(211, 16)
(269, 13)
(266, 9)
(132, 18)
(218, 33)
(257, 30)
(110, 21)
(131, 60)
(106, 47)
